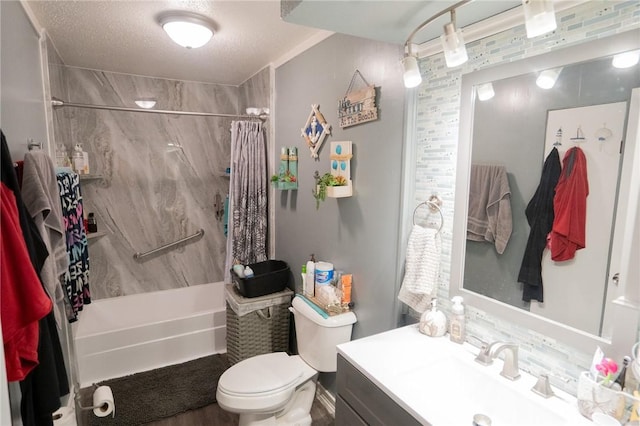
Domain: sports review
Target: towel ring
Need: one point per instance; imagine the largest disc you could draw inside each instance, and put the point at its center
(434, 202)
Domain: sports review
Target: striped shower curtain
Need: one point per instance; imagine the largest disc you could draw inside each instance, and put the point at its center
(248, 189)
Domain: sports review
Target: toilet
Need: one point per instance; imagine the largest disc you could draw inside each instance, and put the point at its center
(277, 388)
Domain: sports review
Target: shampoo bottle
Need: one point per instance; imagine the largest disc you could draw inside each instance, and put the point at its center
(78, 159)
(457, 329)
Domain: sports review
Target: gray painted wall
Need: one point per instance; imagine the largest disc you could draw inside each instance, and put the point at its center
(357, 234)
(22, 114)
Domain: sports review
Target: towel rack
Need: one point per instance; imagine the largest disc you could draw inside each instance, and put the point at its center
(138, 256)
(434, 202)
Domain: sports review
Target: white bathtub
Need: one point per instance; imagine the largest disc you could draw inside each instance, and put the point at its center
(124, 335)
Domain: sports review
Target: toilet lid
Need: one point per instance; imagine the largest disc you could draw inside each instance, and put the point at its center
(260, 374)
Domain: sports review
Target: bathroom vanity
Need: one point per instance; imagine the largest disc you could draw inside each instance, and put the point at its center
(403, 377)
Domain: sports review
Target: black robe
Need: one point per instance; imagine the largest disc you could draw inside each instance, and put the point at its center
(539, 214)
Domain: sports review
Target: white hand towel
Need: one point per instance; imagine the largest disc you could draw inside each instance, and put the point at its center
(422, 268)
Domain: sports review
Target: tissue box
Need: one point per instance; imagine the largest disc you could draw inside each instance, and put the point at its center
(270, 276)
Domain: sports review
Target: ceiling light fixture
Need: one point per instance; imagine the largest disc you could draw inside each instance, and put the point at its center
(187, 29)
(626, 59)
(455, 53)
(485, 91)
(547, 78)
(411, 75)
(539, 16)
(146, 103)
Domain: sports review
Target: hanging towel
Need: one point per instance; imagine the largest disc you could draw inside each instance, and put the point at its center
(539, 213)
(489, 216)
(76, 278)
(42, 200)
(570, 207)
(422, 268)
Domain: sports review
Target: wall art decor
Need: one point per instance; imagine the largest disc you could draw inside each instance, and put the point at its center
(315, 130)
(357, 106)
(287, 177)
(336, 183)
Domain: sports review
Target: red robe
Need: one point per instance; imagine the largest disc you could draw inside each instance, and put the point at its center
(570, 207)
(22, 298)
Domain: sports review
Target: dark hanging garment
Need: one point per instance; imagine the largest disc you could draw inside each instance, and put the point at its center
(539, 213)
(47, 382)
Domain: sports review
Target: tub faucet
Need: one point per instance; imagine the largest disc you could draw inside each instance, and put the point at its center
(510, 368)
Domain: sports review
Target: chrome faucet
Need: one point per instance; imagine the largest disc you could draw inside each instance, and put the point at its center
(510, 368)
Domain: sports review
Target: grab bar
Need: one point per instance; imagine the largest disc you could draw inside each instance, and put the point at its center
(138, 256)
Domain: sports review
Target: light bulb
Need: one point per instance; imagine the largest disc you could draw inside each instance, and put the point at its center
(412, 77)
(626, 59)
(455, 52)
(485, 91)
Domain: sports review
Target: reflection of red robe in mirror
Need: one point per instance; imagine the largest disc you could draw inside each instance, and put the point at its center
(570, 207)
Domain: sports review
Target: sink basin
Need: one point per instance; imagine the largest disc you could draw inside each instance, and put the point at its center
(473, 391)
(439, 382)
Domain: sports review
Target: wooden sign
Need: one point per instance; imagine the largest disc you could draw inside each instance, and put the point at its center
(357, 106)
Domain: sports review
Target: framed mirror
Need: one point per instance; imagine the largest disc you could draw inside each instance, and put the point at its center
(511, 122)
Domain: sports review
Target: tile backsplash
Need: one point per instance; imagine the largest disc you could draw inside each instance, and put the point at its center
(438, 114)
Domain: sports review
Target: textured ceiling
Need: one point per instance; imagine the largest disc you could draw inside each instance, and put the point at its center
(124, 36)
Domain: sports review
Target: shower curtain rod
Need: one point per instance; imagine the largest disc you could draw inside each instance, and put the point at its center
(57, 103)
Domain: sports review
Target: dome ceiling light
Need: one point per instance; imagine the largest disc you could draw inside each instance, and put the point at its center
(187, 29)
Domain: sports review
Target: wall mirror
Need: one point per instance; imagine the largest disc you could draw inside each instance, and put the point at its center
(590, 106)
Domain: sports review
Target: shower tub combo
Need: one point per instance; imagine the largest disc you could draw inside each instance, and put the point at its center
(124, 335)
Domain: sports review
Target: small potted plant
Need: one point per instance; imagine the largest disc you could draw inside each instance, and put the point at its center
(287, 180)
(327, 185)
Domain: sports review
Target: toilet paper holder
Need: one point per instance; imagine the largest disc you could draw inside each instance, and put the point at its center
(81, 407)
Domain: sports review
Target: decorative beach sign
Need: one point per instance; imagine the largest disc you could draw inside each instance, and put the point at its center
(357, 106)
(315, 130)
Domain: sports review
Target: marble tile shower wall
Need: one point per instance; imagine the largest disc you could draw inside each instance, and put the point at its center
(159, 175)
(438, 112)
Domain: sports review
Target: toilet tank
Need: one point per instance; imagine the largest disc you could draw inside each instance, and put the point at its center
(317, 337)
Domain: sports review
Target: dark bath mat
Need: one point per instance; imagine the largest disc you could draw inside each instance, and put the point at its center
(164, 392)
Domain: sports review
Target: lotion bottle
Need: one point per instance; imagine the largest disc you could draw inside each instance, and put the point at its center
(457, 328)
(433, 322)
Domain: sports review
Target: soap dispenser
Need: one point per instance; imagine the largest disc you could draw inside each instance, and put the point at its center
(433, 322)
(457, 331)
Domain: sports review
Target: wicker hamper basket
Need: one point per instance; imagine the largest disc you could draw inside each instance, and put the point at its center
(256, 325)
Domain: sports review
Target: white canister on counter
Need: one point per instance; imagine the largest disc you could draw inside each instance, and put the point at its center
(323, 273)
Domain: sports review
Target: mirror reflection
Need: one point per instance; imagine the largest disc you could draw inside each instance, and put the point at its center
(531, 132)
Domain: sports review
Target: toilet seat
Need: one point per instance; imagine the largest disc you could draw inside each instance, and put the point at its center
(262, 374)
(263, 383)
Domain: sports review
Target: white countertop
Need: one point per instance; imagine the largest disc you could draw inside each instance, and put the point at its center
(438, 382)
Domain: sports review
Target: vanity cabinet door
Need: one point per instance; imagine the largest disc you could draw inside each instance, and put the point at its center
(360, 401)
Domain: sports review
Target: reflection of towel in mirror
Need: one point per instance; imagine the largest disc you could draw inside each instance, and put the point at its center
(489, 206)
(422, 268)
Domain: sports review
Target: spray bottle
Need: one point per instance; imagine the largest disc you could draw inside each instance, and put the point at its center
(309, 283)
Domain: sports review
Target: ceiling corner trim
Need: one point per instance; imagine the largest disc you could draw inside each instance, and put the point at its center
(32, 17)
(305, 45)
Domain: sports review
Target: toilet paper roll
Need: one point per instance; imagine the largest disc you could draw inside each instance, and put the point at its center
(64, 416)
(103, 402)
